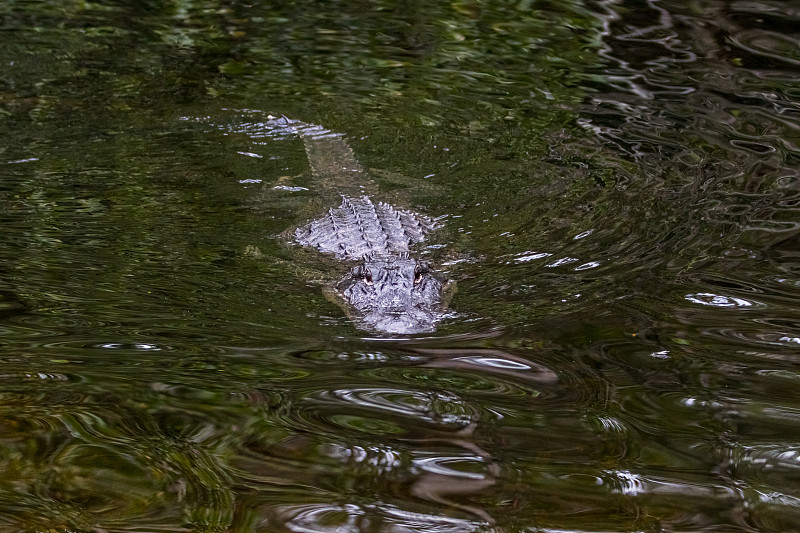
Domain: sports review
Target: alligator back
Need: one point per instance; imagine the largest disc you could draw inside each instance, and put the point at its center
(359, 228)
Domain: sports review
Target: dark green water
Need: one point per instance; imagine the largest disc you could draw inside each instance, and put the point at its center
(620, 187)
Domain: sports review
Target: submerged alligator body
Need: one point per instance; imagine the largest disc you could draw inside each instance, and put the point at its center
(388, 291)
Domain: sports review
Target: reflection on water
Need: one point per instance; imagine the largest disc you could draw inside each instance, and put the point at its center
(619, 181)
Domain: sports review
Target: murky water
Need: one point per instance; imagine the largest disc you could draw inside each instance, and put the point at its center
(619, 187)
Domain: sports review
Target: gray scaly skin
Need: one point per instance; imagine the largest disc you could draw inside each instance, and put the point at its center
(389, 291)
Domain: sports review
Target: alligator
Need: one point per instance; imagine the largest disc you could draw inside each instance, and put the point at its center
(388, 290)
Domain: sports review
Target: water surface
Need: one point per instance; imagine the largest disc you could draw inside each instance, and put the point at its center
(619, 188)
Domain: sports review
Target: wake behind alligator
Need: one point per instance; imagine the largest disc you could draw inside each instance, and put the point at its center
(388, 291)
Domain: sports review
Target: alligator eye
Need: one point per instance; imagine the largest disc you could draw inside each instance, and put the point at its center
(419, 270)
(367, 276)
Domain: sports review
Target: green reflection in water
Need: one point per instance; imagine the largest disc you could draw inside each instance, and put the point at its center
(620, 187)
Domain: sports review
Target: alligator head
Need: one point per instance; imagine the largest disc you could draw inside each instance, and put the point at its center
(393, 294)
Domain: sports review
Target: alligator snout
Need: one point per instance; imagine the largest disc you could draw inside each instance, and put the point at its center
(394, 294)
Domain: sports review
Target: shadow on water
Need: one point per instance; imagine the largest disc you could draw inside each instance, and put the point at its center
(619, 190)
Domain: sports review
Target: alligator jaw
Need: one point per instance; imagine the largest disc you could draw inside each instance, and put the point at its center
(392, 294)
